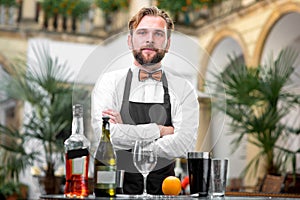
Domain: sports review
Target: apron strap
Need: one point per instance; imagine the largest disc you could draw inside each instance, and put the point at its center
(165, 85)
(126, 118)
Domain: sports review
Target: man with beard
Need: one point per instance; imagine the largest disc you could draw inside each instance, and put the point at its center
(147, 102)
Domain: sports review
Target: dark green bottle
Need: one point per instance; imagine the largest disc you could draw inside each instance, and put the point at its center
(105, 165)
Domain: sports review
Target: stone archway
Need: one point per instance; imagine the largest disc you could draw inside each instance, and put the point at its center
(280, 30)
(283, 31)
(276, 15)
(226, 42)
(219, 36)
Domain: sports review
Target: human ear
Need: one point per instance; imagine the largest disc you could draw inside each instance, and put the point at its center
(168, 42)
(129, 41)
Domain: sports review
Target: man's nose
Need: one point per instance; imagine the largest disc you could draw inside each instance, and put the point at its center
(150, 37)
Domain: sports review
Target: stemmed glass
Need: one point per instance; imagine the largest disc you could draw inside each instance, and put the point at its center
(145, 159)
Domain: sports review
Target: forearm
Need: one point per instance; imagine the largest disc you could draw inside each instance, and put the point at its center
(178, 144)
(124, 135)
(185, 120)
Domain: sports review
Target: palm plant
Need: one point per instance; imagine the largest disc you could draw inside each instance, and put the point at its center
(113, 5)
(15, 155)
(14, 160)
(8, 3)
(45, 90)
(257, 102)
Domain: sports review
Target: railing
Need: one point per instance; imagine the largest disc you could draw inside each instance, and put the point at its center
(9, 16)
(58, 23)
(225, 8)
(97, 24)
(217, 10)
(93, 23)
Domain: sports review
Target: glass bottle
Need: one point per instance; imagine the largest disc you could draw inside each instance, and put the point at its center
(178, 169)
(105, 164)
(77, 157)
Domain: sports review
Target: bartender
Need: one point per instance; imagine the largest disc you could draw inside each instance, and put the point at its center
(145, 101)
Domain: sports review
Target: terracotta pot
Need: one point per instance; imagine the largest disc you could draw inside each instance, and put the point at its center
(12, 197)
(23, 194)
(51, 184)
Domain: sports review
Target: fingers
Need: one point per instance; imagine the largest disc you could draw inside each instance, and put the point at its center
(166, 130)
(114, 116)
(169, 130)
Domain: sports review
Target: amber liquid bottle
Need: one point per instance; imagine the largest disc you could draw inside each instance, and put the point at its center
(105, 165)
(77, 158)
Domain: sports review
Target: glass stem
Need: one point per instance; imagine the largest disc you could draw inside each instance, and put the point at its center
(145, 184)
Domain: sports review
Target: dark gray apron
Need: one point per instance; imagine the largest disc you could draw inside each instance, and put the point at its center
(144, 113)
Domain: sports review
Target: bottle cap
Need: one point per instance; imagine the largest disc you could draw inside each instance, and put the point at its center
(77, 110)
(105, 118)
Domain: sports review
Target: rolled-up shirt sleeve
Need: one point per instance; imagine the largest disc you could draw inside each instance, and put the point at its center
(125, 135)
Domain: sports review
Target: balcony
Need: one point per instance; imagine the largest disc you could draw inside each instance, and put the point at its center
(95, 23)
(188, 19)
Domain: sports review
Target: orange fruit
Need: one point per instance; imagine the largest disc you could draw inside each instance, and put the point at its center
(171, 185)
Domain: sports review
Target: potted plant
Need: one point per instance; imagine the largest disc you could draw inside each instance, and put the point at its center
(65, 8)
(9, 3)
(14, 160)
(80, 8)
(258, 101)
(13, 191)
(45, 90)
(80, 12)
(110, 7)
(185, 7)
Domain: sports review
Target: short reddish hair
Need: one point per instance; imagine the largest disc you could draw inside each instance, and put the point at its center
(152, 11)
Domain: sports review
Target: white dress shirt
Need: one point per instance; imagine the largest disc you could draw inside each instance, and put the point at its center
(108, 94)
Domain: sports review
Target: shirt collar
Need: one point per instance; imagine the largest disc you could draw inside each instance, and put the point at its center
(136, 68)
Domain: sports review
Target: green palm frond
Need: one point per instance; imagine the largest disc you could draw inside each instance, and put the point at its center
(252, 167)
(256, 102)
(14, 154)
(43, 85)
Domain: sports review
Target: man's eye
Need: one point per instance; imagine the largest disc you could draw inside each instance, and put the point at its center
(141, 32)
(159, 34)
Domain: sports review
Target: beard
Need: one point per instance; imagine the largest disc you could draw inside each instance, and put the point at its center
(144, 61)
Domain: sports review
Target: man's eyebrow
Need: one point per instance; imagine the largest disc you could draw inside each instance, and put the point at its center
(141, 29)
(160, 30)
(155, 29)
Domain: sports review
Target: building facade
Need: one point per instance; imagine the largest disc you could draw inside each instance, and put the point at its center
(256, 31)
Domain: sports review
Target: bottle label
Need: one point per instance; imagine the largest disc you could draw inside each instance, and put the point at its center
(78, 160)
(76, 153)
(106, 175)
(78, 165)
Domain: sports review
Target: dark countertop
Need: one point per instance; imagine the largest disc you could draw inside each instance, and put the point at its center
(229, 196)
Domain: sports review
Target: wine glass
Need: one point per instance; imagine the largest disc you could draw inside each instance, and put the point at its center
(145, 159)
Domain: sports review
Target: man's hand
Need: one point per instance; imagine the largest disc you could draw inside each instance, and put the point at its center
(166, 130)
(114, 116)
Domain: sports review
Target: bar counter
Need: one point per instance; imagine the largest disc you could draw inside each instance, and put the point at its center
(228, 196)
